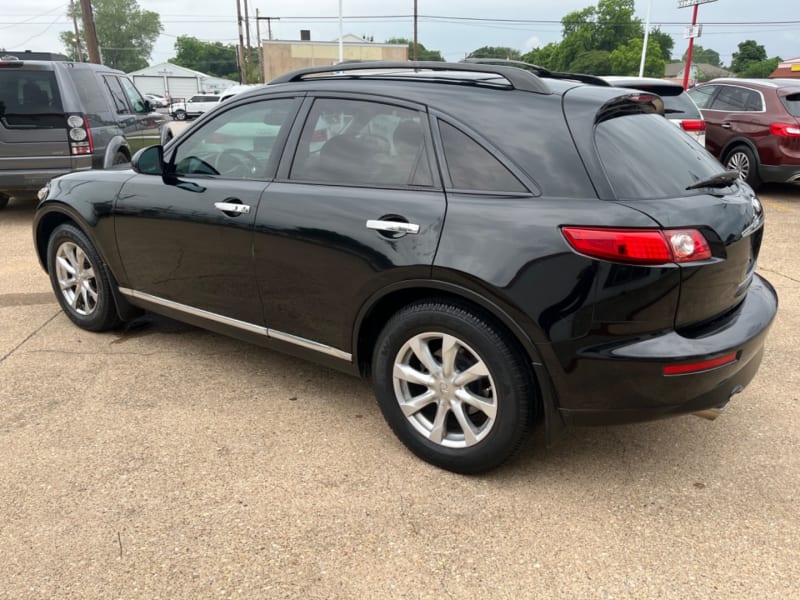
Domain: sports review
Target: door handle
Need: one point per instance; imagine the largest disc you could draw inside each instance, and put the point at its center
(232, 207)
(726, 125)
(392, 226)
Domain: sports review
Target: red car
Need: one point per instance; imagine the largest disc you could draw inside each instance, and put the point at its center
(753, 126)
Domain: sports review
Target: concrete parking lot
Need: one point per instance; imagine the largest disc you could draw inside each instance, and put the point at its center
(168, 462)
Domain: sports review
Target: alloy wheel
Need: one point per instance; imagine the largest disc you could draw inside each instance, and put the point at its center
(76, 278)
(740, 162)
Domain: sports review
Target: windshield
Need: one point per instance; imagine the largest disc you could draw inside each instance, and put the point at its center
(647, 157)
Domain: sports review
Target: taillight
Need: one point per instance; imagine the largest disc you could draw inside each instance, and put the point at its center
(693, 125)
(785, 129)
(639, 246)
(80, 135)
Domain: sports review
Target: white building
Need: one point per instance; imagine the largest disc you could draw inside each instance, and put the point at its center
(179, 82)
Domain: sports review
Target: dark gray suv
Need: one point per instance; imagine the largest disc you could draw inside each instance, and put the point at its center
(59, 116)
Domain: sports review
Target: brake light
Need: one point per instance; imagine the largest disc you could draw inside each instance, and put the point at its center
(639, 246)
(785, 129)
(320, 135)
(702, 365)
(80, 135)
(693, 125)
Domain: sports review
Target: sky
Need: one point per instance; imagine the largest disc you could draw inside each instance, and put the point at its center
(454, 27)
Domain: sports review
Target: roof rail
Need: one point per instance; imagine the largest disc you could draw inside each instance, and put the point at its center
(517, 78)
(540, 71)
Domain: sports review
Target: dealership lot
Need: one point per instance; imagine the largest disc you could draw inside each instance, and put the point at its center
(166, 461)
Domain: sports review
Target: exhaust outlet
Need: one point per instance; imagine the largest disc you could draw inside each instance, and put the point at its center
(711, 414)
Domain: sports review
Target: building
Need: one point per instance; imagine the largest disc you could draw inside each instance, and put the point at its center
(282, 56)
(177, 82)
(699, 73)
(788, 69)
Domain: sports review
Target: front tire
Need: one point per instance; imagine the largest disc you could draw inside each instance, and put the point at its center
(452, 386)
(79, 279)
(180, 115)
(743, 160)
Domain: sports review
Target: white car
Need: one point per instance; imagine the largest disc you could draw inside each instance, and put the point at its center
(157, 101)
(194, 106)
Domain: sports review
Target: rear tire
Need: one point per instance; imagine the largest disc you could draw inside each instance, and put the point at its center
(79, 279)
(452, 387)
(120, 158)
(742, 159)
(180, 115)
(4, 198)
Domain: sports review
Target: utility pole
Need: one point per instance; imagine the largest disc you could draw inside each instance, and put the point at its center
(416, 41)
(242, 64)
(260, 50)
(91, 34)
(78, 50)
(247, 32)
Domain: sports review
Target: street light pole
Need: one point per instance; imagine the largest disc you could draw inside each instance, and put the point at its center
(646, 38)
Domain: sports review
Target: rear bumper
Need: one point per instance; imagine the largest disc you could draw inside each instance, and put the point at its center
(32, 180)
(780, 173)
(626, 383)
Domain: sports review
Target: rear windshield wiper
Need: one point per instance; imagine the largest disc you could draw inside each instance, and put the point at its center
(721, 180)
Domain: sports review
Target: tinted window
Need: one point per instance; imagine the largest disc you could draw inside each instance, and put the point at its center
(237, 144)
(702, 95)
(134, 97)
(647, 157)
(737, 99)
(792, 104)
(472, 167)
(353, 142)
(680, 105)
(88, 87)
(30, 99)
(117, 95)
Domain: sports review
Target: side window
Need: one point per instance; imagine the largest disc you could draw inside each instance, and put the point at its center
(737, 99)
(752, 101)
(354, 142)
(92, 98)
(117, 95)
(472, 167)
(236, 144)
(134, 97)
(702, 95)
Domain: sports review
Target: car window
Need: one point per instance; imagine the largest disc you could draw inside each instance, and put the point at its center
(792, 104)
(737, 99)
(353, 142)
(87, 85)
(680, 105)
(236, 144)
(134, 97)
(702, 95)
(117, 95)
(472, 167)
(30, 99)
(625, 146)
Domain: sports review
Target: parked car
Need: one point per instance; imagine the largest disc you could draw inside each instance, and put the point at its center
(157, 101)
(488, 246)
(678, 105)
(58, 116)
(753, 126)
(193, 107)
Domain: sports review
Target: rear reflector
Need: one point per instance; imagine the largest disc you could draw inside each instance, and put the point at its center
(785, 129)
(703, 365)
(639, 246)
(693, 125)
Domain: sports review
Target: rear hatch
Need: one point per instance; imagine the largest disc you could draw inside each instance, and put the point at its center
(789, 134)
(32, 120)
(654, 169)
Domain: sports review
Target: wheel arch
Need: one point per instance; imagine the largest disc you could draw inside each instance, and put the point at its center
(736, 142)
(116, 145)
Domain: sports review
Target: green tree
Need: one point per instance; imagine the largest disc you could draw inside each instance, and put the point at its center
(616, 24)
(761, 69)
(502, 52)
(545, 56)
(625, 60)
(593, 62)
(125, 33)
(703, 55)
(665, 42)
(422, 52)
(749, 52)
(214, 58)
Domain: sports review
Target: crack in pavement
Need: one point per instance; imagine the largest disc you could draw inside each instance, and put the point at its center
(38, 329)
(790, 278)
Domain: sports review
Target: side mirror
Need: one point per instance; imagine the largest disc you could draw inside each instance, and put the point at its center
(149, 161)
(148, 106)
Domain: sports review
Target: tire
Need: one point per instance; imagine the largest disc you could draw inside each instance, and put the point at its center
(4, 198)
(86, 299)
(424, 405)
(180, 115)
(742, 159)
(120, 158)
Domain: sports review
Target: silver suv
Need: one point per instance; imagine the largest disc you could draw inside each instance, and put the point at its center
(59, 116)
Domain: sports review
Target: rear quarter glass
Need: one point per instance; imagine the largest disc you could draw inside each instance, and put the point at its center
(792, 104)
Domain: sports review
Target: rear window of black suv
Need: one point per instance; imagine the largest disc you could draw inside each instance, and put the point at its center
(638, 168)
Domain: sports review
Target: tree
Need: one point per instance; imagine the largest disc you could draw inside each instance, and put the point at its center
(125, 33)
(214, 58)
(616, 24)
(749, 52)
(761, 69)
(545, 56)
(666, 43)
(501, 52)
(703, 55)
(625, 60)
(594, 62)
(422, 52)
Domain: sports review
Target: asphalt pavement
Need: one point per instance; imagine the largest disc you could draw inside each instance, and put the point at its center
(164, 461)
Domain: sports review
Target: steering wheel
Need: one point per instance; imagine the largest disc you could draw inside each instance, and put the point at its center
(237, 163)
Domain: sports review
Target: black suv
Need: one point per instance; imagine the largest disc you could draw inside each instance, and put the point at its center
(487, 245)
(59, 116)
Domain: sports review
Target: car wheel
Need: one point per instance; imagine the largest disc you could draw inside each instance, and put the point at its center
(743, 160)
(4, 198)
(180, 115)
(120, 158)
(79, 279)
(452, 387)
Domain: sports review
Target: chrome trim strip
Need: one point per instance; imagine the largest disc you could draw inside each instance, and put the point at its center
(310, 344)
(393, 226)
(270, 333)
